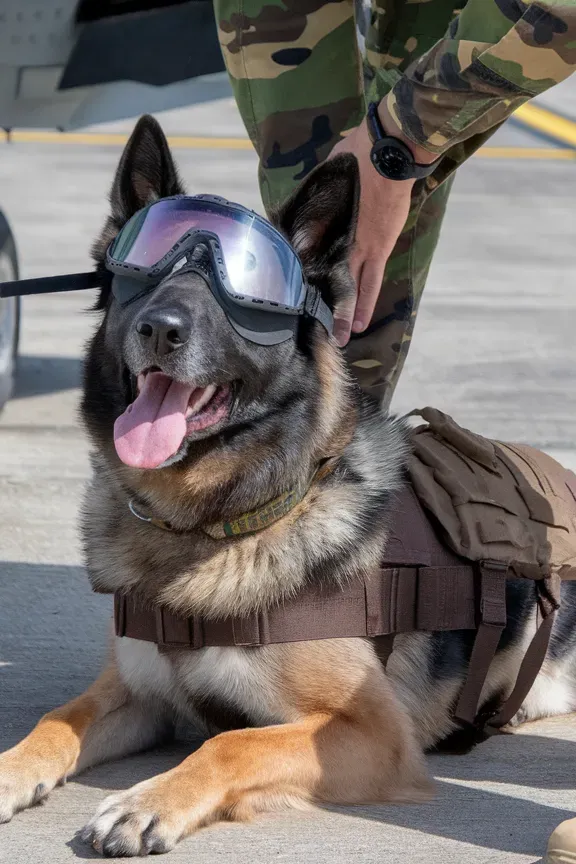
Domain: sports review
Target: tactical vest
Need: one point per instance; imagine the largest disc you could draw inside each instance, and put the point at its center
(475, 513)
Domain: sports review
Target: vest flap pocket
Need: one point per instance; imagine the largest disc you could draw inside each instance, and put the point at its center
(549, 510)
(493, 527)
(474, 446)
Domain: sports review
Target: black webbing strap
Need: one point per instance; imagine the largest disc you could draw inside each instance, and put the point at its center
(492, 623)
(383, 647)
(548, 604)
(51, 284)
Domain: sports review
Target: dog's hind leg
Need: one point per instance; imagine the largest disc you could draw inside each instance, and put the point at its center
(554, 690)
(552, 694)
(102, 724)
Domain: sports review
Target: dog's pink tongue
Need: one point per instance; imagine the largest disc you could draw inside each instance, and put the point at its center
(153, 427)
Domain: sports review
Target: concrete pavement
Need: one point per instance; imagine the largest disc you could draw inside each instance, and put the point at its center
(494, 345)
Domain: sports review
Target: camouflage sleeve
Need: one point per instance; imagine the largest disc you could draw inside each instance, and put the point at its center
(496, 55)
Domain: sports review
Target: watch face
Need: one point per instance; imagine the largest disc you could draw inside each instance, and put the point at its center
(392, 162)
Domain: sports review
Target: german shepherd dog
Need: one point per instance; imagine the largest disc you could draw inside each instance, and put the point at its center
(298, 722)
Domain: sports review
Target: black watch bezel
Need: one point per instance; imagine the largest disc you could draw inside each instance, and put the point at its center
(387, 150)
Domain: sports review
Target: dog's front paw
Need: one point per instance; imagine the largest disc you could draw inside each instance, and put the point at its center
(136, 822)
(22, 784)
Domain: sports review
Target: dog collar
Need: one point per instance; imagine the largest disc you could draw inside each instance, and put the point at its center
(250, 522)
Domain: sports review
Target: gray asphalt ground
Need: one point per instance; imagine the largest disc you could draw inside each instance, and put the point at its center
(494, 346)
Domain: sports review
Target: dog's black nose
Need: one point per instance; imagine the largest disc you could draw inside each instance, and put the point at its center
(165, 330)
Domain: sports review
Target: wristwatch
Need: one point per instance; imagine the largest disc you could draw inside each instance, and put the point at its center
(390, 156)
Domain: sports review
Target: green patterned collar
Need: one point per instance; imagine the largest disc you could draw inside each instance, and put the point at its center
(248, 523)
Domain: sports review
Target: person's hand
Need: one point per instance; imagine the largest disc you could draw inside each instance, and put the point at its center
(383, 209)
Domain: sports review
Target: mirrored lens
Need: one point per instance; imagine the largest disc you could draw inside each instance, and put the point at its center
(259, 262)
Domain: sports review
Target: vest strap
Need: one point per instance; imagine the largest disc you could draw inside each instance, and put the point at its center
(391, 600)
(492, 623)
(548, 604)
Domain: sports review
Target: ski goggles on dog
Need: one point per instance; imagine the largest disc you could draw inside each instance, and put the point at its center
(251, 269)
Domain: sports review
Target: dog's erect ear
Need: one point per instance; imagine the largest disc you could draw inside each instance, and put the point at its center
(145, 173)
(319, 220)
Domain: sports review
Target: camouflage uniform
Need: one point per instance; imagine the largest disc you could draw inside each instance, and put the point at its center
(450, 77)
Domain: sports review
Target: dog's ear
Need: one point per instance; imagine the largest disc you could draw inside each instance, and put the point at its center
(146, 172)
(319, 220)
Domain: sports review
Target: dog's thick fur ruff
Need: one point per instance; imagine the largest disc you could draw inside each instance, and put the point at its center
(307, 722)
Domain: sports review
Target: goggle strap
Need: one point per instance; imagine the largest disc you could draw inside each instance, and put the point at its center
(52, 284)
(317, 308)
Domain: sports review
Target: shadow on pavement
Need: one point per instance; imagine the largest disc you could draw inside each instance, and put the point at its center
(495, 820)
(53, 633)
(37, 375)
(52, 644)
(81, 849)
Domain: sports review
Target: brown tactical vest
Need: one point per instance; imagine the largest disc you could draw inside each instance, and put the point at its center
(476, 512)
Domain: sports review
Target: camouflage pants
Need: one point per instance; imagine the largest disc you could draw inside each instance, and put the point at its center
(300, 83)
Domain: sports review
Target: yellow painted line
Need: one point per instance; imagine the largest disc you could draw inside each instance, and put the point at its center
(188, 142)
(107, 140)
(542, 120)
(525, 153)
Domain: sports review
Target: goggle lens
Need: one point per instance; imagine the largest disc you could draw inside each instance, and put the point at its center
(260, 264)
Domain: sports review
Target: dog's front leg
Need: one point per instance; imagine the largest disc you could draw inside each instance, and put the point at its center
(102, 724)
(322, 758)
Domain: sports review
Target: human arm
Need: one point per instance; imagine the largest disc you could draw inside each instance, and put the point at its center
(489, 63)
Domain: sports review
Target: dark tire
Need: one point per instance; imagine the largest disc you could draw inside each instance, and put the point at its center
(9, 313)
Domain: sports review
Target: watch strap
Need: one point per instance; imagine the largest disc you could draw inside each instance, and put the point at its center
(375, 128)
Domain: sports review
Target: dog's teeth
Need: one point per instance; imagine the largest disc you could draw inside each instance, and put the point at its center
(197, 406)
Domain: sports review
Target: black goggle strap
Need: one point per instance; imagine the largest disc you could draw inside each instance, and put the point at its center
(317, 308)
(51, 284)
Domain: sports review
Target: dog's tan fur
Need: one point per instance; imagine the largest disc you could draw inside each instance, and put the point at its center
(328, 725)
(330, 729)
(347, 742)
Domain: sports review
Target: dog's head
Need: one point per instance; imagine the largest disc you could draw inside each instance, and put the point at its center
(180, 377)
